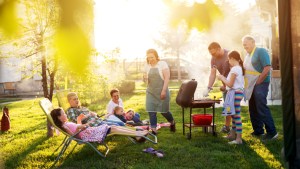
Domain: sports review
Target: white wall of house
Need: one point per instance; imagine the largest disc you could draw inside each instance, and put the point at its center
(9, 71)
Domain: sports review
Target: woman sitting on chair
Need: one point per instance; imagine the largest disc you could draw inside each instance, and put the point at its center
(91, 134)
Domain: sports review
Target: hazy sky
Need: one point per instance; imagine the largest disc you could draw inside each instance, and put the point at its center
(131, 24)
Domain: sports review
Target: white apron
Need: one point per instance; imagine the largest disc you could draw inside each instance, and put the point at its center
(251, 76)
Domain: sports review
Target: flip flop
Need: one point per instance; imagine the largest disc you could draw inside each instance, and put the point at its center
(158, 153)
(149, 150)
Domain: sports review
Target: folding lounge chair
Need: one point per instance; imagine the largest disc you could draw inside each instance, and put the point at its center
(47, 107)
(61, 96)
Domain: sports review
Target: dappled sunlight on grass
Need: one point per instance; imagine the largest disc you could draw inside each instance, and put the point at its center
(262, 151)
(269, 151)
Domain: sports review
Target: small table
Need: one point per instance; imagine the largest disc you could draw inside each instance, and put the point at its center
(205, 103)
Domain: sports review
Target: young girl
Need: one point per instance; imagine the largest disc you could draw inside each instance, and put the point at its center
(91, 134)
(133, 118)
(131, 115)
(235, 87)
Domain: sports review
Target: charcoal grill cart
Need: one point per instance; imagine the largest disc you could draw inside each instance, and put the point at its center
(185, 99)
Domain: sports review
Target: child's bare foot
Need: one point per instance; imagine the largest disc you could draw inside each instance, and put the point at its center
(154, 131)
(142, 133)
(139, 134)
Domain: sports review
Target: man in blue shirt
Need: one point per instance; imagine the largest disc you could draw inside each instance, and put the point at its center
(257, 79)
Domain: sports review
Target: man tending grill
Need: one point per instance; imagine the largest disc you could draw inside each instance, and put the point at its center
(219, 62)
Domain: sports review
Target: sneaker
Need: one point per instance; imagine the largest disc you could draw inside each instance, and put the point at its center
(270, 136)
(234, 142)
(173, 127)
(229, 138)
(257, 135)
(225, 129)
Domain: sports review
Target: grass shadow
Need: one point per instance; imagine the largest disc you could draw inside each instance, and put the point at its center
(16, 159)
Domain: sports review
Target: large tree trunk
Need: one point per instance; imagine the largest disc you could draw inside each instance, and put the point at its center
(45, 86)
(44, 78)
(44, 66)
(51, 86)
(45, 90)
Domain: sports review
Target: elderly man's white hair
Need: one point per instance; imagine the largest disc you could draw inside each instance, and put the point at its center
(248, 37)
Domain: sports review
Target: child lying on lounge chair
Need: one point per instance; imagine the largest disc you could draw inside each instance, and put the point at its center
(118, 115)
(91, 134)
(133, 118)
(129, 117)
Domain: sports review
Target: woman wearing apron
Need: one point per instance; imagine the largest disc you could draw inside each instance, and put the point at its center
(157, 76)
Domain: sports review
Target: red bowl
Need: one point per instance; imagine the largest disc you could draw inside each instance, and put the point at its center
(202, 119)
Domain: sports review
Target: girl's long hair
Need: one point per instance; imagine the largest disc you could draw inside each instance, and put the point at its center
(55, 113)
(236, 56)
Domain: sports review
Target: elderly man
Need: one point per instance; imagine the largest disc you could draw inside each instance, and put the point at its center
(219, 62)
(257, 79)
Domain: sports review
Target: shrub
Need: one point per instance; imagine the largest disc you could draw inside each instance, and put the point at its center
(126, 86)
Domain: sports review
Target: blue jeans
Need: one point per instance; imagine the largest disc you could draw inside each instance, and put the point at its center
(260, 114)
(136, 118)
(153, 118)
(114, 123)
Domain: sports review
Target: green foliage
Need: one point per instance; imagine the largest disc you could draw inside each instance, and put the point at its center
(55, 34)
(91, 88)
(8, 17)
(198, 15)
(74, 34)
(74, 49)
(126, 86)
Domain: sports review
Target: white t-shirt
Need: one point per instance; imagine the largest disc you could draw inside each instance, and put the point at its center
(239, 80)
(111, 105)
(161, 65)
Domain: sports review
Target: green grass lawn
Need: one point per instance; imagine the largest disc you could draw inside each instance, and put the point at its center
(25, 145)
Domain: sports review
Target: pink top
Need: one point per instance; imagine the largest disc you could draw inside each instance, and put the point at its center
(72, 127)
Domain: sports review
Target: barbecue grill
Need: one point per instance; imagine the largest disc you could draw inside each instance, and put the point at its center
(185, 99)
